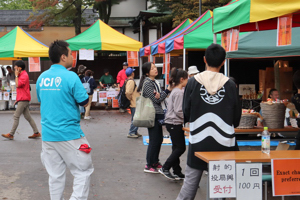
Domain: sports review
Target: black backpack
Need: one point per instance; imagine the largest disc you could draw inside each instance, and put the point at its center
(124, 103)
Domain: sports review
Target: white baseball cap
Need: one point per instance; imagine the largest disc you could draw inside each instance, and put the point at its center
(193, 70)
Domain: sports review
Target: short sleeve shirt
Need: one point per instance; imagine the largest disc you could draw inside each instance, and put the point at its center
(107, 79)
(59, 92)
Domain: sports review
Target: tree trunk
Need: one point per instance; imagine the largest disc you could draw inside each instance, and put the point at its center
(109, 4)
(77, 19)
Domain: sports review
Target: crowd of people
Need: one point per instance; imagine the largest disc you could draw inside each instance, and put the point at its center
(207, 100)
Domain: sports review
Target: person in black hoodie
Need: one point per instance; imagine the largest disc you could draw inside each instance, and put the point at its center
(211, 106)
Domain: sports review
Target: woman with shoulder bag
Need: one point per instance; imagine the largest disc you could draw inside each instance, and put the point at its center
(174, 123)
(151, 89)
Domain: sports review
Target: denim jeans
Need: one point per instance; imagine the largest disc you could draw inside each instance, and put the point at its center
(132, 129)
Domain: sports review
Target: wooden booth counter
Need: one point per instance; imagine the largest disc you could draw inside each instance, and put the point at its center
(247, 156)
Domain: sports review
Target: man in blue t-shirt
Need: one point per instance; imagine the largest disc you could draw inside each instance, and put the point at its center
(63, 143)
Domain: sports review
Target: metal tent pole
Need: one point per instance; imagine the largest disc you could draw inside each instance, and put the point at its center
(184, 58)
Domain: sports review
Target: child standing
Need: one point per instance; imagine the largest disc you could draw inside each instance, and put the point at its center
(174, 123)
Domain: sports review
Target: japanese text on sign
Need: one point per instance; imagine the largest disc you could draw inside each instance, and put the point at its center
(248, 181)
(222, 179)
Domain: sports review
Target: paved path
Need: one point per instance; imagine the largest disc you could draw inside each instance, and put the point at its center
(119, 162)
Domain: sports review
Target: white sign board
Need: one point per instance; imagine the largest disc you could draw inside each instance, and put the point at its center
(5, 96)
(112, 93)
(0, 94)
(222, 179)
(249, 181)
(95, 96)
(246, 89)
(14, 96)
(102, 97)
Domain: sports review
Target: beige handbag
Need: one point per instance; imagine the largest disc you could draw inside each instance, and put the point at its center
(144, 115)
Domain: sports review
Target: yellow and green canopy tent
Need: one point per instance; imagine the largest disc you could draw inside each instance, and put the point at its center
(100, 36)
(18, 43)
(254, 15)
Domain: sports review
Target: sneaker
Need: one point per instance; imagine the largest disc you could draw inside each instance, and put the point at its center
(35, 135)
(179, 176)
(88, 117)
(8, 136)
(139, 135)
(150, 170)
(158, 165)
(167, 174)
(132, 136)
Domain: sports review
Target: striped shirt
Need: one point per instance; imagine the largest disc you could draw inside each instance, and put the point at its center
(148, 91)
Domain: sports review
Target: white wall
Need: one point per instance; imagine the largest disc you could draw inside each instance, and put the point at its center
(129, 33)
(152, 35)
(128, 8)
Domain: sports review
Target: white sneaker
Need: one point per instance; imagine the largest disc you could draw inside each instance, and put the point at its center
(88, 117)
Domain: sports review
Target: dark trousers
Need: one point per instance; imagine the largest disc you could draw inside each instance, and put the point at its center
(155, 141)
(178, 148)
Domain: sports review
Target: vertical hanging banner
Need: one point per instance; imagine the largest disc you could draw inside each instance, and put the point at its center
(167, 60)
(284, 30)
(234, 39)
(74, 54)
(163, 71)
(285, 177)
(132, 58)
(222, 183)
(34, 64)
(225, 39)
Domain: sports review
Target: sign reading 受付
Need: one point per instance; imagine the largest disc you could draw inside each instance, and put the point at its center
(248, 181)
(222, 179)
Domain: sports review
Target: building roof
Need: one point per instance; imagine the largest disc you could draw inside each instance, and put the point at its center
(19, 17)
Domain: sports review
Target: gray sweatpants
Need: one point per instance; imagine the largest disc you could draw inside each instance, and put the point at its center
(191, 183)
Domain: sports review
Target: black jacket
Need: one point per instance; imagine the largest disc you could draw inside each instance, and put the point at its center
(212, 118)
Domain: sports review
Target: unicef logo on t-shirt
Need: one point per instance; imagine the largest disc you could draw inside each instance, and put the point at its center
(57, 81)
(212, 99)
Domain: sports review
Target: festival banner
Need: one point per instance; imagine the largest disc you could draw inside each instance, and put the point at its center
(132, 58)
(234, 39)
(167, 68)
(284, 30)
(225, 39)
(34, 64)
(74, 54)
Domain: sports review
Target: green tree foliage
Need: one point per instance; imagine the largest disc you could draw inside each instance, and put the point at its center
(68, 12)
(182, 9)
(15, 5)
(59, 12)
